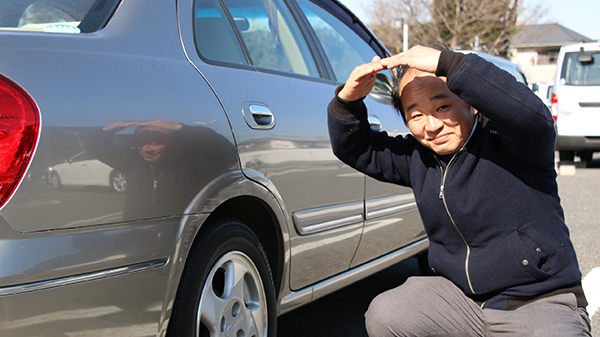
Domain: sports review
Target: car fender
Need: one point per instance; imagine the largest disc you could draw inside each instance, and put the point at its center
(199, 213)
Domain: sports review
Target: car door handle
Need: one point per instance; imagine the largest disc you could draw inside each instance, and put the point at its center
(258, 115)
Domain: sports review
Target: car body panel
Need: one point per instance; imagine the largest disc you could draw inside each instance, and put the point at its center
(163, 71)
(578, 103)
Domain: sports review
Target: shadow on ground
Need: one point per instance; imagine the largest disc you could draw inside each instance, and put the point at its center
(341, 313)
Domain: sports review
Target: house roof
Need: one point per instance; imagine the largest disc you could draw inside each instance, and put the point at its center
(546, 35)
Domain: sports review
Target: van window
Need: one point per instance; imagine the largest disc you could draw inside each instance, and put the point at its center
(56, 16)
(580, 74)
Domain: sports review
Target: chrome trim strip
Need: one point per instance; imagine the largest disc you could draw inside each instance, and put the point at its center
(309, 294)
(391, 210)
(326, 218)
(389, 205)
(68, 281)
(323, 226)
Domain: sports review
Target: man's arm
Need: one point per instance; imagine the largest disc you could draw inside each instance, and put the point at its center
(373, 153)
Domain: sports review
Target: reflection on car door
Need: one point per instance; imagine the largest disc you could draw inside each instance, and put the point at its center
(279, 122)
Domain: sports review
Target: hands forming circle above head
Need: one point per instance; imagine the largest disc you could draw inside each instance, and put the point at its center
(362, 79)
(418, 57)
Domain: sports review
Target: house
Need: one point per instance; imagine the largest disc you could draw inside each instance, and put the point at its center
(535, 49)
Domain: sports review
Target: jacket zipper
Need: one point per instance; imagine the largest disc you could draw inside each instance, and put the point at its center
(442, 196)
(155, 182)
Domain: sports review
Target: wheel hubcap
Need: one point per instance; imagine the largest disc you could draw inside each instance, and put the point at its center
(233, 301)
(119, 182)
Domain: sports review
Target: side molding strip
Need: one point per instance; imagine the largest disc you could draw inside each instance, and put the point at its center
(67, 281)
(309, 294)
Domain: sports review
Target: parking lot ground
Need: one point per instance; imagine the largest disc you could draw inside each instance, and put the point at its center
(342, 313)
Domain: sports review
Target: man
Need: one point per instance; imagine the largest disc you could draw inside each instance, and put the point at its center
(166, 163)
(480, 161)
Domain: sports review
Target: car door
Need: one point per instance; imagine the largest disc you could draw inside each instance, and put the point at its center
(276, 93)
(391, 217)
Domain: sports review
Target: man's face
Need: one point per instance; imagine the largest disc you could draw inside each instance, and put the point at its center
(438, 118)
(154, 152)
(154, 144)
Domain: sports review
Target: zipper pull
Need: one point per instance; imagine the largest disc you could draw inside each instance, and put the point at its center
(442, 192)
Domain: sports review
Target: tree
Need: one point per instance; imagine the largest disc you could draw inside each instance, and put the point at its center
(460, 24)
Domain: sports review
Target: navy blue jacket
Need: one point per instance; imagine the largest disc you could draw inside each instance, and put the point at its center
(492, 212)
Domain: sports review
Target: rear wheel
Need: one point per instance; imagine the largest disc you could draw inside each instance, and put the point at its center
(226, 288)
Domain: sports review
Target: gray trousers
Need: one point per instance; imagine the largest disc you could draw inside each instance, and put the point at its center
(434, 306)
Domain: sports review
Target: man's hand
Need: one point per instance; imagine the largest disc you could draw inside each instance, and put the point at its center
(165, 125)
(118, 126)
(418, 57)
(361, 81)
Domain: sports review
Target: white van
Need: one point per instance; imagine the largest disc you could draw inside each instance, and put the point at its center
(576, 101)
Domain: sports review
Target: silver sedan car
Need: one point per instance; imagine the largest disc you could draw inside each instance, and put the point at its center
(235, 209)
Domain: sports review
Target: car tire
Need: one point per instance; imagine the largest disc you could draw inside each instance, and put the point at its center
(118, 181)
(226, 288)
(586, 156)
(566, 155)
(54, 180)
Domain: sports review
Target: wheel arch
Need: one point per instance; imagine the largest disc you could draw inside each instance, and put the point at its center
(261, 219)
(232, 195)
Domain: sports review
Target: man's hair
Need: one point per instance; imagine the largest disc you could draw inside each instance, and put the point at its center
(400, 71)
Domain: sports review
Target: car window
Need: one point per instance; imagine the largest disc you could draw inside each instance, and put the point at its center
(344, 48)
(56, 16)
(82, 157)
(581, 74)
(265, 35)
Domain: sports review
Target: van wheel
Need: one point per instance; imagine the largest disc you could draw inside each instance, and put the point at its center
(566, 155)
(586, 156)
(226, 288)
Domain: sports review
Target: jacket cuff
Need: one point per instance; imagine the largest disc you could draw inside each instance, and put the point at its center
(449, 63)
(344, 109)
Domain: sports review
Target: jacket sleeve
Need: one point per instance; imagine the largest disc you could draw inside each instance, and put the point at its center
(521, 119)
(373, 153)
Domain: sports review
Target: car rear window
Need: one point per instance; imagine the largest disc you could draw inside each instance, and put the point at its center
(581, 74)
(56, 16)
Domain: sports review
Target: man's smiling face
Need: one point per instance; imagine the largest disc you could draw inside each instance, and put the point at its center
(438, 118)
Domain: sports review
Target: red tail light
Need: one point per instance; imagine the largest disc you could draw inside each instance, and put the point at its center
(554, 106)
(19, 131)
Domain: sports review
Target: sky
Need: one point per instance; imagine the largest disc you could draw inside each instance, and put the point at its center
(580, 16)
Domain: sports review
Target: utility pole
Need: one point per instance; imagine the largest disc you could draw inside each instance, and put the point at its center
(402, 24)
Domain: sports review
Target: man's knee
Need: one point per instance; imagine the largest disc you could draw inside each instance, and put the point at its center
(379, 316)
(394, 311)
(426, 306)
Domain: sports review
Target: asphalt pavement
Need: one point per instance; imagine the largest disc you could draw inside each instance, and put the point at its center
(341, 313)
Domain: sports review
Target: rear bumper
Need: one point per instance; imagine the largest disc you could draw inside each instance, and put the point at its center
(578, 143)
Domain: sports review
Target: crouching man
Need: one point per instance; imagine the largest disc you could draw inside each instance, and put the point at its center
(480, 161)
